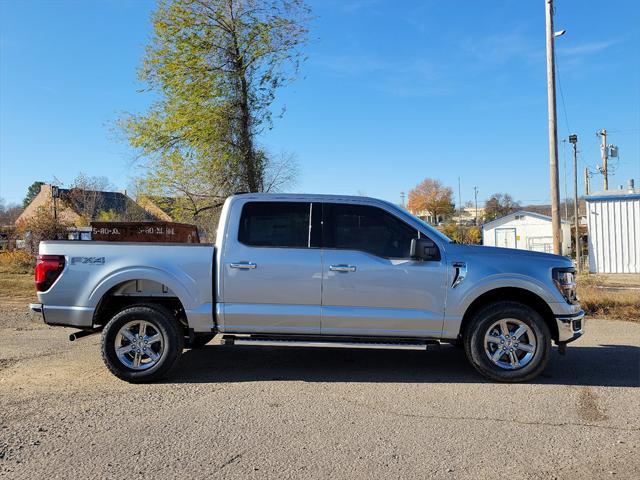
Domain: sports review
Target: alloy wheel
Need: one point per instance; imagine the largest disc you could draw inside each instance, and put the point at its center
(510, 343)
(139, 345)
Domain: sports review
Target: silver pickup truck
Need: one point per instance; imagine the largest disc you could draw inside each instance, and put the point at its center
(311, 271)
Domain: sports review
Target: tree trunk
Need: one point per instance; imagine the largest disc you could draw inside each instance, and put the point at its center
(246, 140)
(252, 174)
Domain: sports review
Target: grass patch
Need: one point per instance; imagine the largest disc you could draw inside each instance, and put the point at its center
(17, 288)
(610, 296)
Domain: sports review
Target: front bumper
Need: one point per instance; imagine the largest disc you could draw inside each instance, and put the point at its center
(570, 327)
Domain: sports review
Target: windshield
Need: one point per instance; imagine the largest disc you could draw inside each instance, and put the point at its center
(428, 228)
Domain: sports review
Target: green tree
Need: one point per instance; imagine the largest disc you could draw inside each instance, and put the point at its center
(32, 191)
(216, 65)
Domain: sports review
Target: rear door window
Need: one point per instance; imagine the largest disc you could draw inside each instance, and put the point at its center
(275, 224)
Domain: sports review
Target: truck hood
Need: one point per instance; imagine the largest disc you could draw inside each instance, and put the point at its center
(508, 255)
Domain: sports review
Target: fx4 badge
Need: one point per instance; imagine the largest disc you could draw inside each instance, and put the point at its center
(88, 260)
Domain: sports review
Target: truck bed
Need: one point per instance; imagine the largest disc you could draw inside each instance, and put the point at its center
(95, 269)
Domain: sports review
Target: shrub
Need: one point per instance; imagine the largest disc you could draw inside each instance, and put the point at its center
(462, 234)
(16, 261)
(41, 226)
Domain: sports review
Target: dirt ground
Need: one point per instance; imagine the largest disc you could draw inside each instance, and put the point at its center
(250, 412)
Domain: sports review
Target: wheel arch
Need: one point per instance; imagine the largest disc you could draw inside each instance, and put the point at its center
(521, 295)
(131, 292)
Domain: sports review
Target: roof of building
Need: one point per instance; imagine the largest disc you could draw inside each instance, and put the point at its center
(73, 203)
(522, 212)
(98, 201)
(619, 194)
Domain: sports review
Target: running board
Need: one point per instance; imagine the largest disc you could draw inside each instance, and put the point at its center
(265, 342)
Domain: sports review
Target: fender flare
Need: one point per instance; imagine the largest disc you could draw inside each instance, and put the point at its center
(175, 284)
(498, 281)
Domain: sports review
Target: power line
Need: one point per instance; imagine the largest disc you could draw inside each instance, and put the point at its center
(564, 107)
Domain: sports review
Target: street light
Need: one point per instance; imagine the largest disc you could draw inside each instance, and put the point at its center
(55, 193)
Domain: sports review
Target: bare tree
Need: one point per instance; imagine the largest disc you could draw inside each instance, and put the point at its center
(9, 213)
(498, 205)
(86, 196)
(280, 173)
(40, 226)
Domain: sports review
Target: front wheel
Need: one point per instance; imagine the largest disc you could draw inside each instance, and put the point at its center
(508, 342)
(141, 343)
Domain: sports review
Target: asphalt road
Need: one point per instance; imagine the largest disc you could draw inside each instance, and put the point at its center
(250, 412)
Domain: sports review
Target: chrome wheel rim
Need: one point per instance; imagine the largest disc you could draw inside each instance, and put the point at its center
(139, 345)
(510, 343)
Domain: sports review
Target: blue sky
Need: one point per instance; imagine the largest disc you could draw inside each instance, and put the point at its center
(392, 92)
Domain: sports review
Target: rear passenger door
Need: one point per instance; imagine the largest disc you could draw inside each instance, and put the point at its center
(272, 276)
(371, 285)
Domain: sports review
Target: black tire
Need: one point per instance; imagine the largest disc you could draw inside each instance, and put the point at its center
(199, 341)
(482, 322)
(160, 321)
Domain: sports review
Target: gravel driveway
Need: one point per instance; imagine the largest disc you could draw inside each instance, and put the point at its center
(250, 412)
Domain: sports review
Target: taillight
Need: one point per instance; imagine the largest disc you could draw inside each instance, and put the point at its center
(48, 269)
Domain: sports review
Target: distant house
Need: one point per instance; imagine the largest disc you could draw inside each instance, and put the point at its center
(525, 231)
(156, 206)
(429, 217)
(467, 216)
(77, 206)
(613, 219)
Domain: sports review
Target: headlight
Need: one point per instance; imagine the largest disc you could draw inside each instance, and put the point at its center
(565, 281)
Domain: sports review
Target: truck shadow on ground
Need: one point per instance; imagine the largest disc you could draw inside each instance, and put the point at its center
(605, 365)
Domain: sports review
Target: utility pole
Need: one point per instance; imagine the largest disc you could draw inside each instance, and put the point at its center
(586, 181)
(402, 198)
(604, 169)
(566, 195)
(475, 193)
(573, 139)
(553, 132)
(459, 197)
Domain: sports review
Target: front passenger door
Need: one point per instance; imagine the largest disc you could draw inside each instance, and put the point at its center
(371, 286)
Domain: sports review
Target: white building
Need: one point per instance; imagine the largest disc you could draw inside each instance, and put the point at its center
(525, 231)
(613, 220)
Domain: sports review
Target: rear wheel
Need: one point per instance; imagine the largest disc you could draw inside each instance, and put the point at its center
(508, 342)
(141, 343)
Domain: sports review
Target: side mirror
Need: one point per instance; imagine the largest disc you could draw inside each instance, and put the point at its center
(424, 249)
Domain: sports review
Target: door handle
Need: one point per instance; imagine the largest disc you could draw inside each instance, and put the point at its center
(243, 265)
(342, 268)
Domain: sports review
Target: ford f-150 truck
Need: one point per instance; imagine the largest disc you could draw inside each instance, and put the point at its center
(311, 271)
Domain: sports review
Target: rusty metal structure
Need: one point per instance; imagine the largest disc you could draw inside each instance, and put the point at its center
(163, 232)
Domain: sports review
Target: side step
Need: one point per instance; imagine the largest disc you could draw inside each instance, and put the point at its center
(313, 343)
